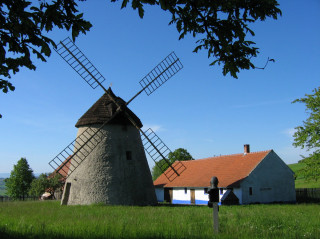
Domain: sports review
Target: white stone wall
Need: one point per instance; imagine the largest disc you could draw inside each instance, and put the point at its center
(107, 176)
(201, 196)
(180, 196)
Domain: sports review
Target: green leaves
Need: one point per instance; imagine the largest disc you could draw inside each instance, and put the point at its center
(308, 135)
(5, 85)
(22, 32)
(179, 154)
(222, 25)
(45, 183)
(19, 182)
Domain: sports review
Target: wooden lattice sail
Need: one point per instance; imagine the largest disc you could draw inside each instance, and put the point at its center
(107, 129)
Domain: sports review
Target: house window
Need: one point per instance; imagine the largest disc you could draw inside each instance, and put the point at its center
(206, 190)
(250, 191)
(185, 190)
(221, 191)
(129, 155)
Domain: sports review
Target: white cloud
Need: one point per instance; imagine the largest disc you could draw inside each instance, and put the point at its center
(290, 154)
(155, 128)
(289, 132)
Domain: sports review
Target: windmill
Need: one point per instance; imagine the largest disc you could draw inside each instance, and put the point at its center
(106, 162)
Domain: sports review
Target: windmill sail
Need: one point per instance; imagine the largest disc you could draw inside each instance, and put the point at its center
(161, 73)
(159, 153)
(77, 151)
(80, 63)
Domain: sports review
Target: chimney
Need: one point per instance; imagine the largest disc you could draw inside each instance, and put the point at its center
(246, 149)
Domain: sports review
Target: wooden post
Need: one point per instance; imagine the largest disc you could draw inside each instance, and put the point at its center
(215, 217)
(213, 192)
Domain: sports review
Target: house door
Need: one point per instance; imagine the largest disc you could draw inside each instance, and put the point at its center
(168, 195)
(193, 197)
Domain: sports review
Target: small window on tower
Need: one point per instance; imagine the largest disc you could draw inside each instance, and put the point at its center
(250, 191)
(129, 155)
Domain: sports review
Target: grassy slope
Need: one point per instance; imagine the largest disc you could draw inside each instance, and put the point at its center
(300, 180)
(50, 220)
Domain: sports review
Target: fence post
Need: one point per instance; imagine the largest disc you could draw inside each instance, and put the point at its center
(308, 195)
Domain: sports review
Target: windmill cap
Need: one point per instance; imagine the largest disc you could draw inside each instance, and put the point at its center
(103, 110)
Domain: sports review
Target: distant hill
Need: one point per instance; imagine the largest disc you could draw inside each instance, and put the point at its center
(2, 187)
(300, 180)
(4, 175)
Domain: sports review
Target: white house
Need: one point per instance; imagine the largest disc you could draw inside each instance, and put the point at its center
(259, 177)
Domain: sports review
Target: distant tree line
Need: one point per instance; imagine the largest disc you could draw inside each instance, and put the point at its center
(22, 182)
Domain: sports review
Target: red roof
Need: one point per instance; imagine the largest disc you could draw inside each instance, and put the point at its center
(63, 171)
(229, 169)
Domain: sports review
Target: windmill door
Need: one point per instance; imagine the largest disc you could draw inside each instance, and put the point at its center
(193, 197)
(168, 195)
(66, 194)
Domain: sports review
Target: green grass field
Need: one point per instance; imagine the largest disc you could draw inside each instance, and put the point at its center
(300, 181)
(50, 220)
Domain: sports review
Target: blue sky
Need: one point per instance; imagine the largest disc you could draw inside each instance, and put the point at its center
(198, 109)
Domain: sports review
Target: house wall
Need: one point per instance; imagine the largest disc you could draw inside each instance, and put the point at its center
(180, 196)
(222, 191)
(238, 193)
(201, 196)
(271, 181)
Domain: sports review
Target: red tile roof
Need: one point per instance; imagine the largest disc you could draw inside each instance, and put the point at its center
(65, 165)
(229, 169)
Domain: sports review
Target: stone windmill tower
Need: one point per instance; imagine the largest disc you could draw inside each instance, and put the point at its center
(106, 162)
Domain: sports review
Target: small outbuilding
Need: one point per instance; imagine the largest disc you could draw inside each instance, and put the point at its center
(245, 178)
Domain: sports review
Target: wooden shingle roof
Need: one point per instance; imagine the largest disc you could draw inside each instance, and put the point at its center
(229, 169)
(103, 110)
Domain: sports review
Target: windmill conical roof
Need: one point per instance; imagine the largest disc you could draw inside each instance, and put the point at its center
(104, 109)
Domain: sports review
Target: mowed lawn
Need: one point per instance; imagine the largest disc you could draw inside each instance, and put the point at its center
(50, 220)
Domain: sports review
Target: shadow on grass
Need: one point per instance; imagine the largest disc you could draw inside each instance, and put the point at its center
(15, 235)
